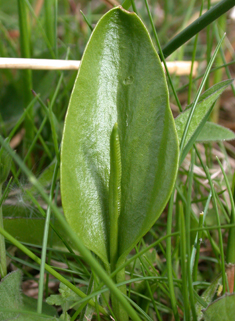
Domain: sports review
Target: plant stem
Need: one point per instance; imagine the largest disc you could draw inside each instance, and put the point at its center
(199, 24)
(119, 313)
(3, 261)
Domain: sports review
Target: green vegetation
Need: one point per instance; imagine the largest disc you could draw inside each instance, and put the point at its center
(112, 206)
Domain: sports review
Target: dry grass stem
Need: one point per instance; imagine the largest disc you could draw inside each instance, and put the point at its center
(179, 68)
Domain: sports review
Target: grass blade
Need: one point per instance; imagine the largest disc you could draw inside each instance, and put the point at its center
(199, 24)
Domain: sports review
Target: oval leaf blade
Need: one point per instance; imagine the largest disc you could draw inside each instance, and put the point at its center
(212, 132)
(121, 81)
(221, 309)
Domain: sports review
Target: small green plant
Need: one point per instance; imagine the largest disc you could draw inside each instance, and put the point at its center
(120, 145)
(120, 148)
(131, 176)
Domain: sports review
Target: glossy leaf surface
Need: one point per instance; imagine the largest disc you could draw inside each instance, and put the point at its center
(121, 81)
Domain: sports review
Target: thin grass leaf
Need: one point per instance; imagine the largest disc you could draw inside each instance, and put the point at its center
(199, 24)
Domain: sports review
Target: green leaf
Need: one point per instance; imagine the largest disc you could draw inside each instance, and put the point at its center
(201, 114)
(10, 296)
(120, 80)
(212, 132)
(15, 306)
(221, 309)
(28, 226)
(207, 296)
(65, 299)
(30, 304)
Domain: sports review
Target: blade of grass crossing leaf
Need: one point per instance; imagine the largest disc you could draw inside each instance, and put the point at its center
(162, 56)
(197, 96)
(139, 254)
(222, 262)
(45, 239)
(47, 267)
(38, 206)
(231, 235)
(188, 238)
(76, 241)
